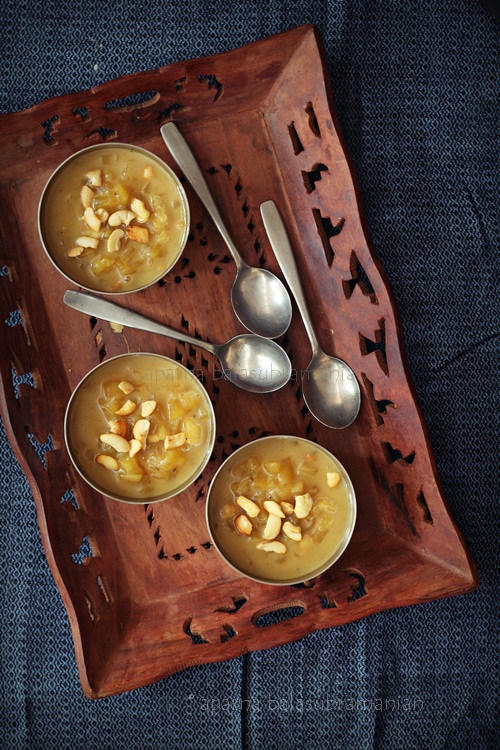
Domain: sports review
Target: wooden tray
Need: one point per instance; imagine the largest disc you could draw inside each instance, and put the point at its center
(145, 592)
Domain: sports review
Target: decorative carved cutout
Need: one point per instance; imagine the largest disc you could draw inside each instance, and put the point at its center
(196, 638)
(213, 83)
(423, 504)
(360, 279)
(327, 230)
(311, 178)
(368, 346)
(82, 113)
(394, 454)
(18, 380)
(358, 589)
(166, 115)
(327, 601)
(50, 128)
(41, 448)
(179, 83)
(238, 602)
(84, 553)
(14, 319)
(105, 134)
(133, 101)
(68, 499)
(313, 121)
(229, 632)
(267, 617)
(378, 407)
(294, 137)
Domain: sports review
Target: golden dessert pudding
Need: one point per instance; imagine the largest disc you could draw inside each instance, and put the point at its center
(140, 428)
(113, 218)
(281, 510)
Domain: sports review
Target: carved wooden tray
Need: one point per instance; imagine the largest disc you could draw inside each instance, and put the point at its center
(145, 592)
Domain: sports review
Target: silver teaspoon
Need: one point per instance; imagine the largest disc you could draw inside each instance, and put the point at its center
(250, 362)
(260, 301)
(329, 386)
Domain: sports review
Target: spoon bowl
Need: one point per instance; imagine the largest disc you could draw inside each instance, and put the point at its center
(260, 300)
(329, 386)
(250, 362)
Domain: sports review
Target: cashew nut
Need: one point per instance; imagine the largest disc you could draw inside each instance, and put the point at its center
(85, 241)
(93, 221)
(86, 196)
(115, 441)
(135, 447)
(273, 508)
(272, 527)
(138, 234)
(109, 462)
(74, 252)
(303, 505)
(121, 217)
(175, 441)
(292, 531)
(128, 408)
(332, 478)
(126, 387)
(94, 177)
(118, 427)
(277, 547)
(147, 408)
(140, 431)
(243, 524)
(140, 210)
(114, 240)
(250, 508)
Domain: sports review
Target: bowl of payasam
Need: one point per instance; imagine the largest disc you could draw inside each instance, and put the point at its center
(139, 428)
(113, 218)
(281, 510)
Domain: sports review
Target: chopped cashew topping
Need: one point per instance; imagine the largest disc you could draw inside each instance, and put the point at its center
(292, 531)
(86, 196)
(126, 387)
(272, 527)
(109, 462)
(93, 221)
(332, 478)
(273, 508)
(277, 547)
(147, 408)
(250, 508)
(175, 441)
(138, 234)
(94, 177)
(118, 426)
(135, 447)
(121, 217)
(140, 210)
(128, 408)
(243, 524)
(74, 252)
(303, 505)
(115, 441)
(85, 241)
(114, 240)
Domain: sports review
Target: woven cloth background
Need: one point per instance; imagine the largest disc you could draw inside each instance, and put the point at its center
(416, 87)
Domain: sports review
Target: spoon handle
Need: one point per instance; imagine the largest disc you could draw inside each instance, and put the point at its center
(280, 243)
(185, 160)
(101, 308)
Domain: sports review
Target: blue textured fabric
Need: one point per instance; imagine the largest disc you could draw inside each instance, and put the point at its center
(415, 86)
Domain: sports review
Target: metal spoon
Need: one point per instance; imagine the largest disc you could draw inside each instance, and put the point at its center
(329, 386)
(252, 363)
(260, 300)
